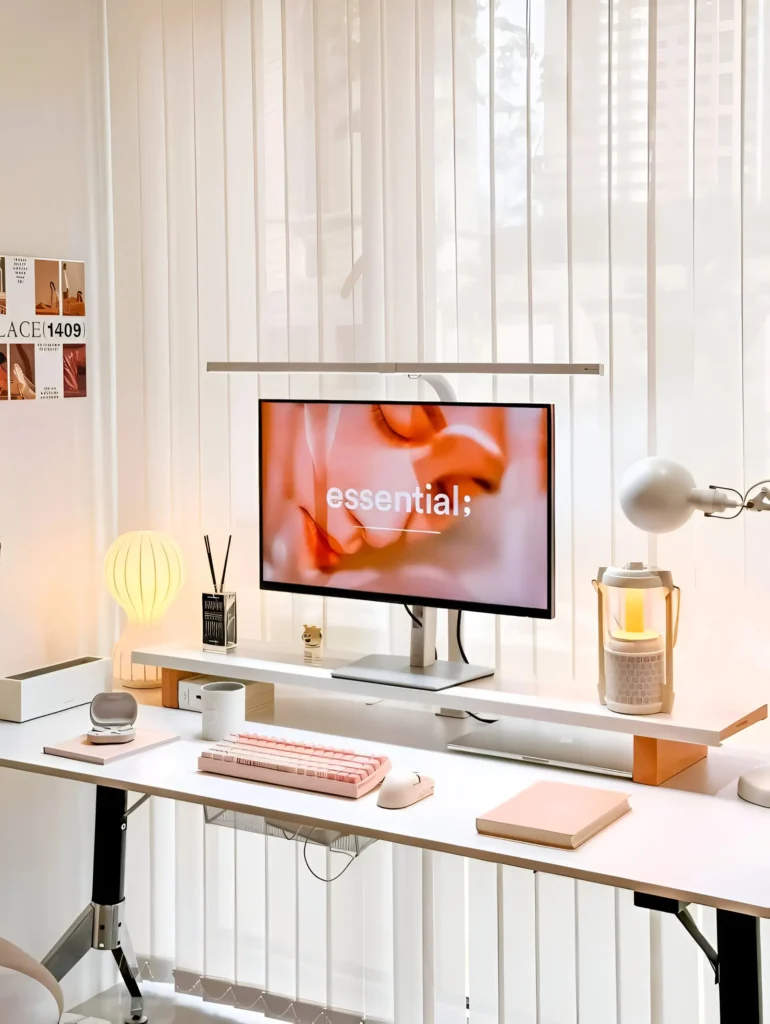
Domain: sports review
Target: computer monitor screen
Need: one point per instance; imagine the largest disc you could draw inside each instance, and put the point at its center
(439, 504)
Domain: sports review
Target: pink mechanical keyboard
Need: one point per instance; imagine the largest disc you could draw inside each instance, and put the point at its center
(282, 762)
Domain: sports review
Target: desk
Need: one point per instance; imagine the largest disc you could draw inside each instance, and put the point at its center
(678, 844)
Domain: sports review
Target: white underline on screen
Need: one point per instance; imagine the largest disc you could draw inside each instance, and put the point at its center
(397, 529)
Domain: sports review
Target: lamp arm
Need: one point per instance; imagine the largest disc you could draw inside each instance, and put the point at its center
(760, 503)
(714, 499)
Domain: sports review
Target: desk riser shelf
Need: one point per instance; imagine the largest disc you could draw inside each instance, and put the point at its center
(664, 744)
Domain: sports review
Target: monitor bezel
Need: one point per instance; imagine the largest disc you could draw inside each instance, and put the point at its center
(410, 599)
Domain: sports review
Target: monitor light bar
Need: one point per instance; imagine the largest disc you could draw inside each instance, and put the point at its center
(523, 369)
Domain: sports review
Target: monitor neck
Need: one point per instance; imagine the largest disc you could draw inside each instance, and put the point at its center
(422, 648)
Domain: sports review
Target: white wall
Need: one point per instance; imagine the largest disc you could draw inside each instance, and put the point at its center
(56, 496)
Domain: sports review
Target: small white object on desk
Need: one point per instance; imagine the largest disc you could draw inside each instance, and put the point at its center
(754, 786)
(45, 691)
(224, 709)
(312, 639)
(402, 789)
(113, 716)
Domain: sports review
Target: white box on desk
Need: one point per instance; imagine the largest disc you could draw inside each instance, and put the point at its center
(259, 696)
(44, 691)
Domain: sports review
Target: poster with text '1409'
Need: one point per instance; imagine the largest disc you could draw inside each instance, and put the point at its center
(42, 329)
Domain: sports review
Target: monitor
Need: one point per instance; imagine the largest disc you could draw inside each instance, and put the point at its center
(446, 505)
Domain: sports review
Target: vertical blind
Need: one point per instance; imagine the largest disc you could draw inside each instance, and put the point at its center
(460, 179)
(405, 936)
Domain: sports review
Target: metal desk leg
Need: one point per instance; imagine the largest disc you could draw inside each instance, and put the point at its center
(128, 972)
(736, 960)
(740, 975)
(72, 946)
(102, 925)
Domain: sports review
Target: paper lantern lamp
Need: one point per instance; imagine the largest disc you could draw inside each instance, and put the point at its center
(143, 572)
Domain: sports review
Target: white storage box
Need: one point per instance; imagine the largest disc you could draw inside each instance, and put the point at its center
(44, 691)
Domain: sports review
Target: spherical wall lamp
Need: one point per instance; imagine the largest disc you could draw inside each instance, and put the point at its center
(659, 496)
(143, 572)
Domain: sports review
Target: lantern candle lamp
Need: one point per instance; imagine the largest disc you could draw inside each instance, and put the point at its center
(638, 622)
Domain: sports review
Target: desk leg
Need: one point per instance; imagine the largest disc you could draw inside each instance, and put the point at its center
(109, 870)
(102, 925)
(740, 975)
(72, 946)
(737, 960)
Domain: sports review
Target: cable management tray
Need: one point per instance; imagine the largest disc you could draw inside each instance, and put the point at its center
(347, 844)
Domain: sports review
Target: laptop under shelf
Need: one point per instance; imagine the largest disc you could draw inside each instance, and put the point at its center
(561, 746)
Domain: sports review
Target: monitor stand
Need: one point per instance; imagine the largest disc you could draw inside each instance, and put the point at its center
(421, 670)
(396, 670)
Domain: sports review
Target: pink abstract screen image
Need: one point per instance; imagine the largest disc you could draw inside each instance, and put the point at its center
(448, 505)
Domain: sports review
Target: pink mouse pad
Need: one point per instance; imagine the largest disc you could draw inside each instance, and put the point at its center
(80, 749)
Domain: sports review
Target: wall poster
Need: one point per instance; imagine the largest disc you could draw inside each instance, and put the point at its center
(42, 329)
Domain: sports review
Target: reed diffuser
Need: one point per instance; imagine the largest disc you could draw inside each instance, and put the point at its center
(220, 620)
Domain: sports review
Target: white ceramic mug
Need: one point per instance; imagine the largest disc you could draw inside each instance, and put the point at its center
(224, 709)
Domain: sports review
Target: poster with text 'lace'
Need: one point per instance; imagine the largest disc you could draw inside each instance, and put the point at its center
(42, 329)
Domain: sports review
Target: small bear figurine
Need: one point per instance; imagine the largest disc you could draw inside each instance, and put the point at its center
(312, 638)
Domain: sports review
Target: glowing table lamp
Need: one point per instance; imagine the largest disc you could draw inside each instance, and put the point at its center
(637, 633)
(143, 572)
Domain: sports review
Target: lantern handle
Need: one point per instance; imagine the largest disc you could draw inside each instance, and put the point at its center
(678, 592)
(602, 684)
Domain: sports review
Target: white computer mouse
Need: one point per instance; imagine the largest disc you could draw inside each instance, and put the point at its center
(754, 785)
(402, 789)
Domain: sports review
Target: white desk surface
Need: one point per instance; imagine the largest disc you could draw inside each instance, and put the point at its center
(694, 720)
(677, 842)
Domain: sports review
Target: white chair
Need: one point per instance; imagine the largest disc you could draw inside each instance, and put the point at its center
(29, 994)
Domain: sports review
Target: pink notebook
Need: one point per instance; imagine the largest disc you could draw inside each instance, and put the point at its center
(80, 749)
(554, 814)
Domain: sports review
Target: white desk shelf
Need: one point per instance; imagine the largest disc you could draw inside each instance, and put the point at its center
(663, 742)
